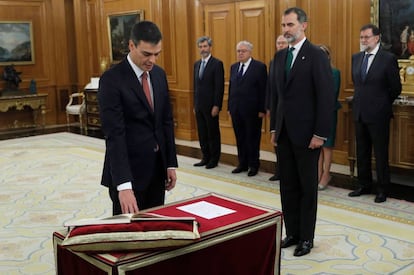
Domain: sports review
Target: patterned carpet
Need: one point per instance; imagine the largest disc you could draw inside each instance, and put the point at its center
(47, 180)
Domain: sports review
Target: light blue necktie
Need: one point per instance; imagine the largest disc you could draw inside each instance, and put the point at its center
(203, 65)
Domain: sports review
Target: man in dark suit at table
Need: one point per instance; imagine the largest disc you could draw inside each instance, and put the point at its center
(137, 122)
(376, 78)
(208, 99)
(246, 105)
(301, 108)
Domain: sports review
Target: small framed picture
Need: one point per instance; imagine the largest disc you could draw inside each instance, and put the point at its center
(16, 43)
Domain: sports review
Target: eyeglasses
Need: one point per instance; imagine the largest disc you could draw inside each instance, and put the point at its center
(365, 37)
(242, 51)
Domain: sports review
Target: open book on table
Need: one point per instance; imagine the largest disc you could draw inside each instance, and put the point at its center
(125, 218)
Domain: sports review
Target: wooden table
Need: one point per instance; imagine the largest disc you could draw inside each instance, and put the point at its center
(37, 102)
(93, 120)
(244, 242)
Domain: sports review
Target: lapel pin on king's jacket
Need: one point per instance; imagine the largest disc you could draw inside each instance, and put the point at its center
(303, 57)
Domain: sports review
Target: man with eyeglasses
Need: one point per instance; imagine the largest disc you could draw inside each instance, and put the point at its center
(246, 105)
(376, 79)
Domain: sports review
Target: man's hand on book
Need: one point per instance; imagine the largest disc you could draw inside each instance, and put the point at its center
(128, 201)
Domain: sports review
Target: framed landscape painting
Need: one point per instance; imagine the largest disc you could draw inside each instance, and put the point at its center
(16, 43)
(119, 26)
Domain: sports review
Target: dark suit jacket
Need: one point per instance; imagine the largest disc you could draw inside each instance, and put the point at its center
(132, 130)
(247, 95)
(268, 99)
(304, 99)
(209, 90)
(373, 97)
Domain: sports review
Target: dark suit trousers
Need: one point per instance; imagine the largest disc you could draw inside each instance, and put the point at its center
(377, 136)
(298, 187)
(153, 195)
(276, 163)
(248, 131)
(209, 136)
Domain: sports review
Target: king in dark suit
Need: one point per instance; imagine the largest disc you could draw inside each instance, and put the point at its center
(376, 78)
(208, 100)
(137, 122)
(301, 113)
(246, 105)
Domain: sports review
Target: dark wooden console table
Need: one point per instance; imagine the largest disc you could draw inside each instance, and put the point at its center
(37, 102)
(92, 109)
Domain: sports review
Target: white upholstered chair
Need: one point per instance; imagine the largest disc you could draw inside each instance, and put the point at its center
(76, 107)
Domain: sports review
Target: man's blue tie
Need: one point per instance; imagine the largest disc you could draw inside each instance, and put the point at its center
(289, 59)
(202, 67)
(240, 72)
(364, 66)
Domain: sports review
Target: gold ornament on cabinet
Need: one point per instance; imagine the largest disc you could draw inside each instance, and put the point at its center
(407, 75)
(103, 65)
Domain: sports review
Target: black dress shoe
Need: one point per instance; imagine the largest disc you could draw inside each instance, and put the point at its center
(239, 169)
(274, 178)
(380, 197)
(201, 163)
(360, 191)
(252, 172)
(289, 241)
(303, 248)
(211, 165)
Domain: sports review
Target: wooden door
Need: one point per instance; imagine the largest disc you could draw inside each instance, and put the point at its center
(229, 23)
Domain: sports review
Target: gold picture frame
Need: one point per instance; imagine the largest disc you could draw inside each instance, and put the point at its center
(16, 43)
(119, 28)
(374, 12)
(395, 18)
(396, 22)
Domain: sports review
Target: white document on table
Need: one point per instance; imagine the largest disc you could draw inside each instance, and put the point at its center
(206, 210)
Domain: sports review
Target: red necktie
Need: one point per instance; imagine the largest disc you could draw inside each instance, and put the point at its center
(145, 87)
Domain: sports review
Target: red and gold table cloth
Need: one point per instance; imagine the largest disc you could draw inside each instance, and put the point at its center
(246, 241)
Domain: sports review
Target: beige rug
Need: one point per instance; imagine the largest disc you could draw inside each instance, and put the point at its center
(47, 180)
